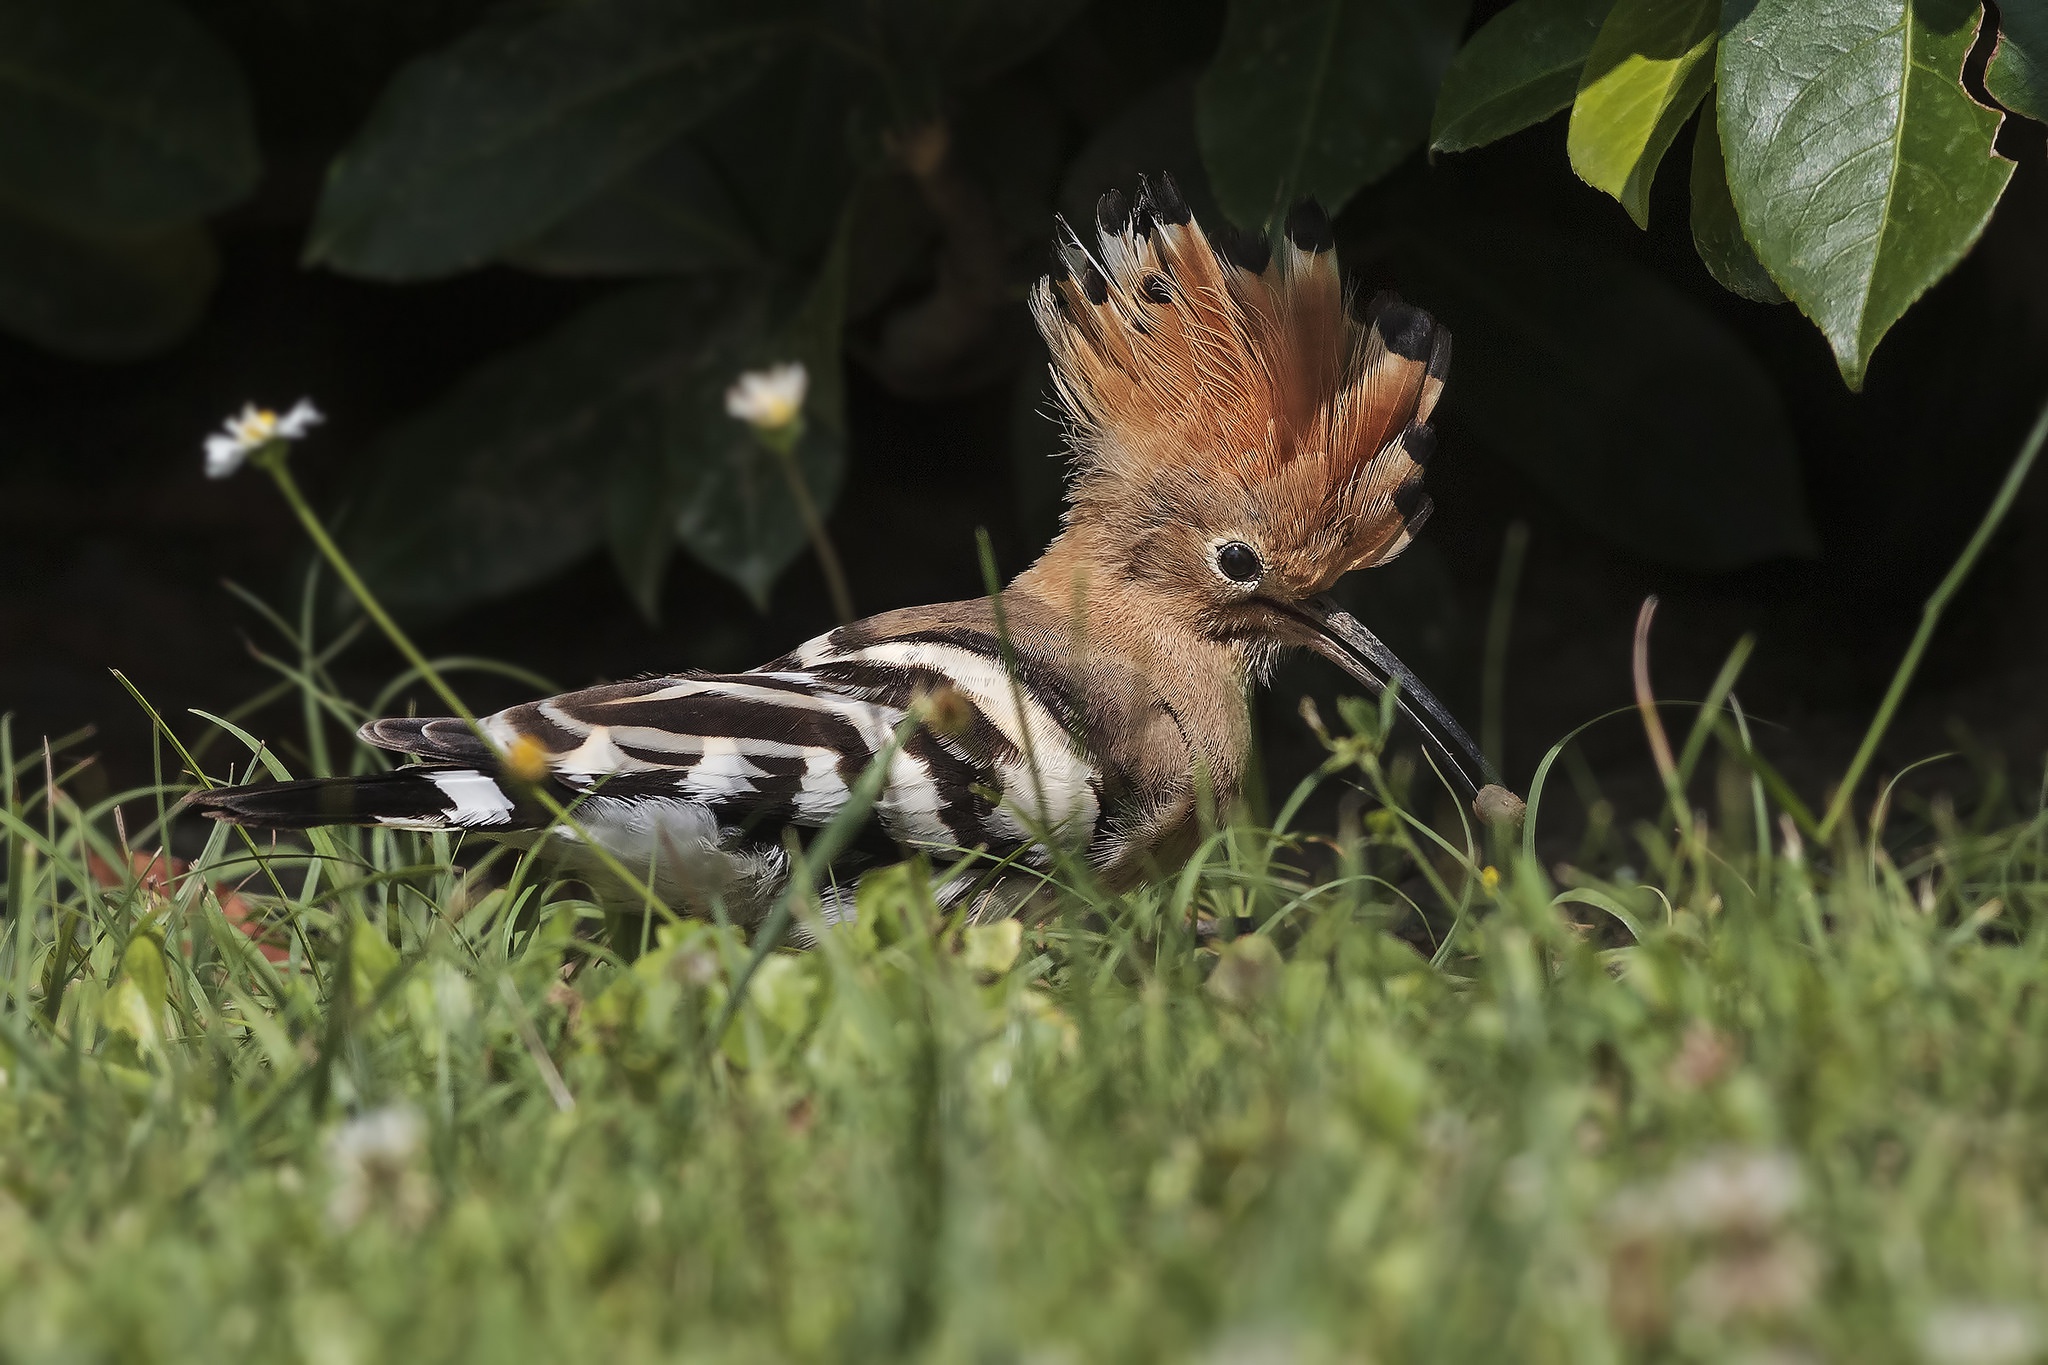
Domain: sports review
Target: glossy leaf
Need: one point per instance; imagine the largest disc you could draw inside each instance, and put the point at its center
(947, 44)
(782, 151)
(670, 215)
(97, 295)
(612, 430)
(734, 508)
(1319, 97)
(1860, 167)
(120, 115)
(1649, 68)
(1155, 132)
(1628, 403)
(492, 141)
(504, 482)
(2018, 74)
(1521, 67)
(1716, 231)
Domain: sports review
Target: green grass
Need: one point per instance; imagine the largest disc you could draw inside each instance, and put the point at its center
(1799, 1108)
(375, 1096)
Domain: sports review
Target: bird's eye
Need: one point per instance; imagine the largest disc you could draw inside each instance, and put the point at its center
(1239, 562)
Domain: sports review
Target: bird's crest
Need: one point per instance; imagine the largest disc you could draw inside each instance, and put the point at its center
(1187, 360)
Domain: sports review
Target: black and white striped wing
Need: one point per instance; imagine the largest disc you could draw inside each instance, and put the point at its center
(727, 761)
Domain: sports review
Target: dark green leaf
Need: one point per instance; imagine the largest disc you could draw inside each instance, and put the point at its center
(1861, 168)
(946, 44)
(119, 115)
(613, 429)
(1521, 67)
(735, 510)
(2018, 75)
(101, 295)
(1319, 97)
(786, 151)
(1154, 133)
(1624, 400)
(640, 515)
(668, 216)
(505, 482)
(492, 141)
(1648, 70)
(1716, 231)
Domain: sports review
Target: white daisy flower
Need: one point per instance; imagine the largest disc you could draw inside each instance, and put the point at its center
(1980, 1334)
(251, 430)
(375, 1162)
(769, 400)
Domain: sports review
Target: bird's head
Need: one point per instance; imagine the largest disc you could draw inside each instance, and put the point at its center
(1242, 439)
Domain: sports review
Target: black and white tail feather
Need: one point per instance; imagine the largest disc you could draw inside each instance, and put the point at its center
(698, 776)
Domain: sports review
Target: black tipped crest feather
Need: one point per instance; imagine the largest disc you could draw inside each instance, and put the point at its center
(1164, 201)
(1184, 353)
(1406, 330)
(1308, 227)
(1113, 212)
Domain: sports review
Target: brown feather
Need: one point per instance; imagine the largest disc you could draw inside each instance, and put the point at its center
(1190, 371)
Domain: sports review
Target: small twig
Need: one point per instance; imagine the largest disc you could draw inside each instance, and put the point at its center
(1651, 721)
(1646, 702)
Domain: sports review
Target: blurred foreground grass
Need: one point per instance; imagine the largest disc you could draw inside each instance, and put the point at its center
(370, 1100)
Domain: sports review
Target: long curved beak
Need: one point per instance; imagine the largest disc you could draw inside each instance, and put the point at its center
(1338, 636)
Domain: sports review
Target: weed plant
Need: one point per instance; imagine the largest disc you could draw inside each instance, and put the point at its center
(1396, 1093)
(376, 1097)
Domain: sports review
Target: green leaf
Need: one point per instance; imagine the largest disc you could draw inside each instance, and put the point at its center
(1860, 167)
(134, 1007)
(1628, 403)
(1319, 97)
(494, 140)
(668, 216)
(735, 511)
(948, 44)
(97, 295)
(1521, 67)
(2018, 74)
(611, 430)
(504, 482)
(1648, 70)
(1716, 231)
(783, 150)
(120, 115)
(371, 958)
(1154, 133)
(640, 516)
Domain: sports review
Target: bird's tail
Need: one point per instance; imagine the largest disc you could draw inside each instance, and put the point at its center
(427, 796)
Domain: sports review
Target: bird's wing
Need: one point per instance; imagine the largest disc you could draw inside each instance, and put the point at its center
(993, 767)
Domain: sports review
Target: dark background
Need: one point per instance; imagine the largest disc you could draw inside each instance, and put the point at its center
(113, 547)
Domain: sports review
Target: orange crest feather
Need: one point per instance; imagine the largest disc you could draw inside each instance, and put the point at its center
(1179, 356)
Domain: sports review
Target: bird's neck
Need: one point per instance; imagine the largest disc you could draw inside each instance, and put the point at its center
(1126, 633)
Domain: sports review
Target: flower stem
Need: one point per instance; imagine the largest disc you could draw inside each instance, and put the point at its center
(272, 460)
(814, 526)
(361, 591)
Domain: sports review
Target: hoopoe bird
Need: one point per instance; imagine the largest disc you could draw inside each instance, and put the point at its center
(1239, 440)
